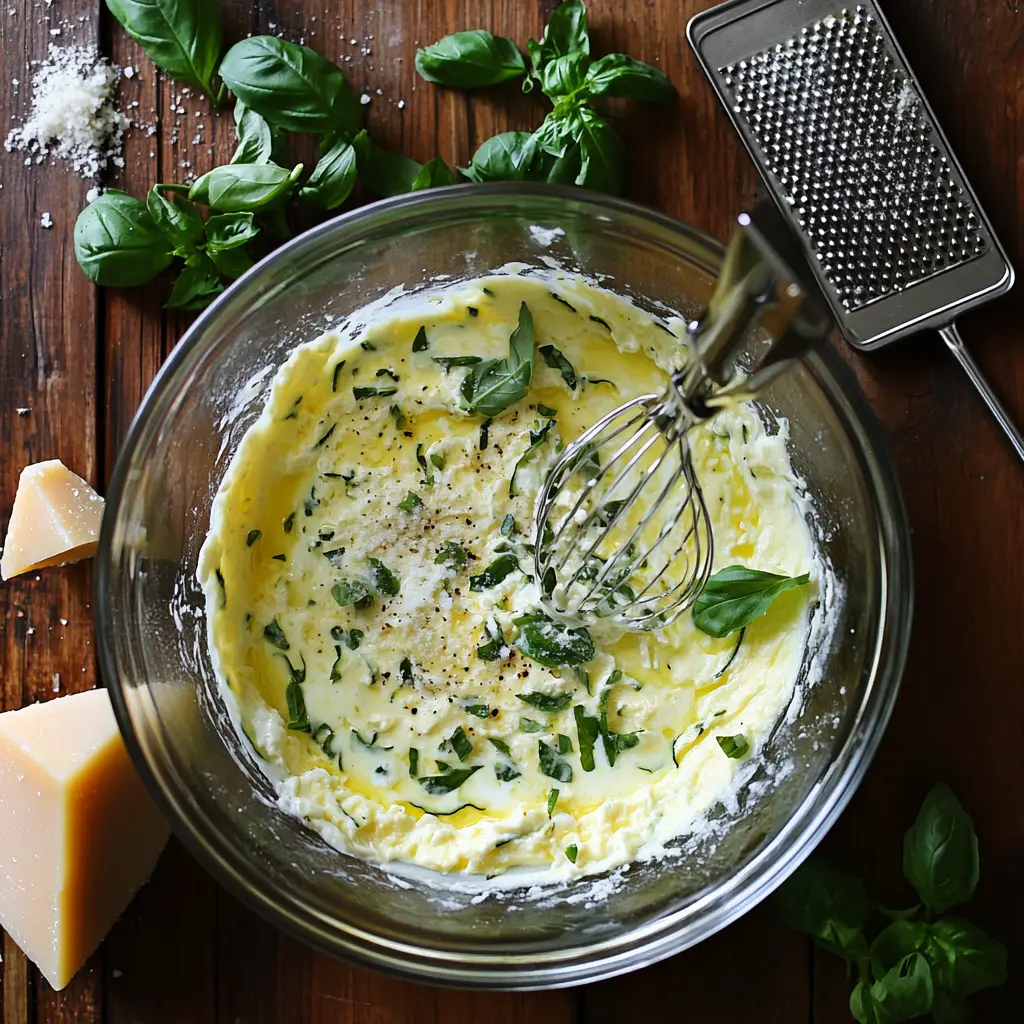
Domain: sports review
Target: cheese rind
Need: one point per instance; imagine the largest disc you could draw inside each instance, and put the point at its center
(79, 834)
(55, 520)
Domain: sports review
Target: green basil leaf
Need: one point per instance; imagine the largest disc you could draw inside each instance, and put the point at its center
(565, 32)
(410, 502)
(735, 596)
(231, 263)
(552, 765)
(553, 644)
(571, 852)
(476, 710)
(178, 219)
(829, 905)
(940, 852)
(383, 579)
(274, 634)
(117, 242)
(506, 773)
(236, 188)
(433, 174)
(565, 75)
(453, 555)
(497, 571)
(733, 746)
(336, 667)
(470, 60)
(964, 959)
(495, 384)
(449, 362)
(182, 37)
(552, 800)
(551, 703)
(460, 743)
(537, 439)
(587, 732)
(894, 942)
(500, 745)
(449, 781)
(554, 358)
(256, 141)
(420, 343)
(602, 154)
(332, 179)
(226, 231)
(382, 172)
(196, 287)
(297, 717)
(291, 86)
(529, 725)
(905, 991)
(352, 592)
(373, 392)
(504, 157)
(619, 76)
(613, 742)
(862, 1004)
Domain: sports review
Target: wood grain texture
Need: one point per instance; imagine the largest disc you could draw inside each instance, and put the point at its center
(188, 951)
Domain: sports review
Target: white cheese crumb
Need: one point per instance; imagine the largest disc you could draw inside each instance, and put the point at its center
(129, 72)
(46, 220)
(23, 410)
(73, 116)
(93, 194)
(401, 104)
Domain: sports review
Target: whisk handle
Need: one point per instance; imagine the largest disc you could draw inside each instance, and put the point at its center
(951, 336)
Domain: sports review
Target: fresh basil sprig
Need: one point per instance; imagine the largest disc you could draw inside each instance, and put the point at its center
(118, 243)
(333, 178)
(291, 86)
(181, 37)
(917, 963)
(470, 60)
(237, 188)
(495, 384)
(733, 597)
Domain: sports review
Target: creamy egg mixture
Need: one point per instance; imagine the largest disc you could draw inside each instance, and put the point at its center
(369, 572)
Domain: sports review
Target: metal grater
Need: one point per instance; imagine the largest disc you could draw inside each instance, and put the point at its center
(838, 128)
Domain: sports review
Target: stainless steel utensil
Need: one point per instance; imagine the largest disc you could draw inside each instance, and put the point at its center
(622, 530)
(836, 123)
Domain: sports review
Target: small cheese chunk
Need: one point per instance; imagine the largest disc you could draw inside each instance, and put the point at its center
(79, 834)
(55, 520)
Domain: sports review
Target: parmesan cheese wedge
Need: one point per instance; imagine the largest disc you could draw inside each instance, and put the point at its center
(79, 834)
(55, 520)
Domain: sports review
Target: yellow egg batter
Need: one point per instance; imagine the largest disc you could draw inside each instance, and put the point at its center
(361, 617)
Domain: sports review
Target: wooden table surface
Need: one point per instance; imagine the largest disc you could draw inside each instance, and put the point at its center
(80, 359)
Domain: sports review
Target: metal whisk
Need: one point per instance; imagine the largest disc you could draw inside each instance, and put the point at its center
(622, 529)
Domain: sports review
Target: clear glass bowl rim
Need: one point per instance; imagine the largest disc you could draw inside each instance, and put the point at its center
(648, 942)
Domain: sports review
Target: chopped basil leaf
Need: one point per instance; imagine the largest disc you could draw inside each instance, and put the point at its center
(337, 374)
(587, 732)
(351, 638)
(405, 670)
(598, 320)
(506, 773)
(414, 759)
(368, 346)
(371, 392)
(614, 742)
(564, 744)
(398, 416)
(529, 725)
(252, 536)
(324, 738)
(484, 433)
(410, 502)
(550, 764)
(554, 358)
(289, 522)
(546, 410)
(553, 644)
(324, 438)
(437, 460)
(297, 717)
(508, 525)
(453, 555)
(371, 743)
(571, 851)
(310, 503)
(449, 781)
(477, 710)
(491, 651)
(733, 746)
(420, 342)
(493, 385)
(447, 363)
(352, 592)
(497, 571)
(385, 372)
(552, 800)
(735, 596)
(537, 438)
(428, 477)
(460, 743)
(336, 556)
(564, 302)
(336, 667)
(500, 745)
(546, 702)
(274, 634)
(383, 579)
(279, 558)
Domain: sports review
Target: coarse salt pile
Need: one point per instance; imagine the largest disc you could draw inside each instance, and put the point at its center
(73, 115)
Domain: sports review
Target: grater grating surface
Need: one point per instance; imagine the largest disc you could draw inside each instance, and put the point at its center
(844, 131)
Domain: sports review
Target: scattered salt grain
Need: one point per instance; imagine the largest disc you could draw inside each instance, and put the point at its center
(73, 116)
(46, 220)
(401, 104)
(129, 72)
(365, 98)
(23, 411)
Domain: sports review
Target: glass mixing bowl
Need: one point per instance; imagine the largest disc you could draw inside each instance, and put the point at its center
(152, 629)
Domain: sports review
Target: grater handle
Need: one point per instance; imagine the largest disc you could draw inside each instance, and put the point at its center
(951, 336)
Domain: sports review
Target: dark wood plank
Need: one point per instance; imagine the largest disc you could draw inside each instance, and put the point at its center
(47, 365)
